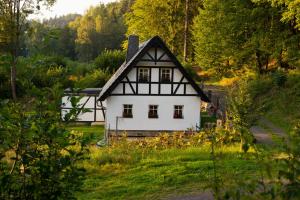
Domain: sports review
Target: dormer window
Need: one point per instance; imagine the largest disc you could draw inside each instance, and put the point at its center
(165, 75)
(143, 75)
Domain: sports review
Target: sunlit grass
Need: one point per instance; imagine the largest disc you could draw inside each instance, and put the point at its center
(136, 173)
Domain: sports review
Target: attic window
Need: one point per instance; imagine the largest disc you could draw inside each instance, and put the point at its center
(153, 111)
(143, 75)
(127, 111)
(165, 75)
(178, 112)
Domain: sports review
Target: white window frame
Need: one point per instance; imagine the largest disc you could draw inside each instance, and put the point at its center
(167, 73)
(178, 112)
(154, 109)
(144, 75)
(127, 111)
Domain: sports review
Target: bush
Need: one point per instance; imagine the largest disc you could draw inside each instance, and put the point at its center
(110, 60)
(39, 157)
(96, 78)
(279, 78)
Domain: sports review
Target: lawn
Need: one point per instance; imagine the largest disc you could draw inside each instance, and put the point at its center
(91, 133)
(126, 171)
(160, 173)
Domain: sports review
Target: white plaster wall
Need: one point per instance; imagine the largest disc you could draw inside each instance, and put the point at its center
(131, 75)
(165, 120)
(87, 116)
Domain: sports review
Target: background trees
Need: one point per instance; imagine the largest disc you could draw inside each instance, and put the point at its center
(236, 34)
(164, 18)
(14, 14)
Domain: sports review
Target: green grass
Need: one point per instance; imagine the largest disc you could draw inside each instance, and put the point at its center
(285, 103)
(90, 133)
(114, 173)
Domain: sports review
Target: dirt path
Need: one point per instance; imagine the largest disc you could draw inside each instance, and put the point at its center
(274, 129)
(201, 196)
(261, 135)
(263, 131)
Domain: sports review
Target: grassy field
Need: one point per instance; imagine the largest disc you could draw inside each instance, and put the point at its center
(91, 133)
(285, 103)
(126, 171)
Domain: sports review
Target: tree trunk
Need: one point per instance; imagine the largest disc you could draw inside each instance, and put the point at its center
(15, 19)
(258, 62)
(13, 77)
(186, 30)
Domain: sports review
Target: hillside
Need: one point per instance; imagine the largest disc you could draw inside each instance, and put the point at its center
(281, 99)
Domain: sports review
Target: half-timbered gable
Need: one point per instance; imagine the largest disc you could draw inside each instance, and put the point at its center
(152, 71)
(151, 92)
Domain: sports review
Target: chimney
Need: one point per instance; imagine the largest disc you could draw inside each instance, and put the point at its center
(133, 46)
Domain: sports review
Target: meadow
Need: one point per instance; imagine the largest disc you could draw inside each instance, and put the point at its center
(156, 169)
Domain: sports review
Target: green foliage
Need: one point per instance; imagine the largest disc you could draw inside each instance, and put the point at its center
(96, 78)
(279, 102)
(101, 28)
(290, 10)
(39, 156)
(279, 78)
(242, 111)
(289, 174)
(110, 60)
(164, 18)
(50, 41)
(237, 34)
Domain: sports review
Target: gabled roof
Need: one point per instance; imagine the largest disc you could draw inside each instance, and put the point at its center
(125, 68)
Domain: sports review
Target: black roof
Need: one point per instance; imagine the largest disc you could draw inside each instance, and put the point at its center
(86, 91)
(126, 67)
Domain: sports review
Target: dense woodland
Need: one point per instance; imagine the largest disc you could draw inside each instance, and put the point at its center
(251, 47)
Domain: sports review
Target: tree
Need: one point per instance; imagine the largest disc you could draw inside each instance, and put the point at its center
(290, 10)
(242, 111)
(236, 34)
(39, 156)
(49, 40)
(100, 28)
(13, 19)
(167, 18)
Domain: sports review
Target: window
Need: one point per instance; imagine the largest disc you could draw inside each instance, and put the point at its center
(127, 111)
(165, 75)
(178, 112)
(153, 111)
(143, 75)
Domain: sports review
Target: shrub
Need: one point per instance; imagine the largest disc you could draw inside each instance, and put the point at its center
(39, 157)
(96, 78)
(110, 60)
(279, 78)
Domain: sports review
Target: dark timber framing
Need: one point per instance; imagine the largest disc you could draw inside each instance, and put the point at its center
(155, 42)
(128, 81)
(137, 80)
(93, 109)
(178, 85)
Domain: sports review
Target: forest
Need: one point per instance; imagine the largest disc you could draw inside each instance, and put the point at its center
(249, 48)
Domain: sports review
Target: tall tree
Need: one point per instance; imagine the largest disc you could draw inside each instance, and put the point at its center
(235, 34)
(13, 18)
(167, 18)
(101, 27)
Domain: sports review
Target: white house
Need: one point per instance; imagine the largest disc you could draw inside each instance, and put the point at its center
(88, 101)
(151, 92)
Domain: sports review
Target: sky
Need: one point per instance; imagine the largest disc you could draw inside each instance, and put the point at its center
(63, 7)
